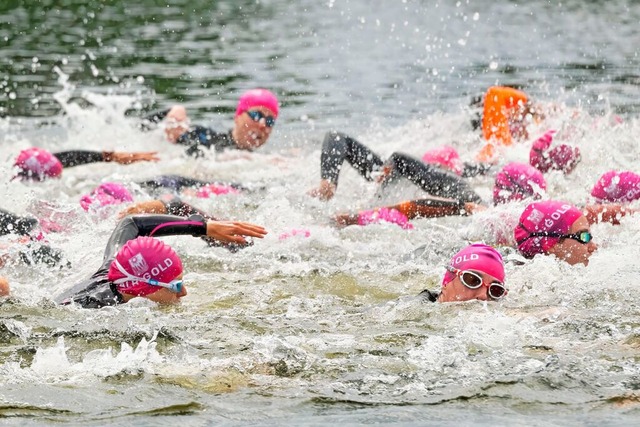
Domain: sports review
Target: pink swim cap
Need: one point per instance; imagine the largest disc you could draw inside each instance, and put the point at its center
(562, 157)
(376, 216)
(209, 190)
(616, 186)
(445, 156)
(145, 258)
(549, 216)
(105, 194)
(517, 181)
(478, 257)
(258, 98)
(38, 164)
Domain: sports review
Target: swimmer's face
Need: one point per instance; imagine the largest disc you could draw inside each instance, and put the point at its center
(573, 251)
(250, 134)
(176, 123)
(164, 295)
(456, 291)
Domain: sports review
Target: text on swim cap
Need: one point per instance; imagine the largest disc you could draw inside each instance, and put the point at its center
(158, 268)
(464, 258)
(556, 215)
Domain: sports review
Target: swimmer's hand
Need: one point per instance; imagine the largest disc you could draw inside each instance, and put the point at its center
(4, 287)
(128, 158)
(234, 231)
(150, 206)
(325, 191)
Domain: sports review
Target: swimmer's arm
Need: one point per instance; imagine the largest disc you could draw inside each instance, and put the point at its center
(607, 213)
(429, 207)
(83, 157)
(475, 169)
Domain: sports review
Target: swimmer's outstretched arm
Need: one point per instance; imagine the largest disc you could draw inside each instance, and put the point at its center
(429, 207)
(83, 157)
(172, 206)
(170, 225)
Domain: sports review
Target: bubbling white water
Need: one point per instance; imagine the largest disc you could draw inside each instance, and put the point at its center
(332, 315)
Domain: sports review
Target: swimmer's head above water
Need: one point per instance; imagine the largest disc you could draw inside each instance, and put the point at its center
(149, 268)
(474, 273)
(255, 117)
(557, 228)
(37, 164)
(518, 181)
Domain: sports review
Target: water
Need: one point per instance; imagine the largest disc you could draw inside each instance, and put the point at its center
(308, 331)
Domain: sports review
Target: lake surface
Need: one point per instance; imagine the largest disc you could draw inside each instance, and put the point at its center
(326, 328)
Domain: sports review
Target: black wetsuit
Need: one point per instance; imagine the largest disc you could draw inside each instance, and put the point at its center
(197, 138)
(81, 157)
(429, 296)
(177, 183)
(338, 148)
(98, 291)
(14, 224)
(35, 252)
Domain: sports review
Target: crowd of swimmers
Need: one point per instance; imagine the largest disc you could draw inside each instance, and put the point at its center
(137, 264)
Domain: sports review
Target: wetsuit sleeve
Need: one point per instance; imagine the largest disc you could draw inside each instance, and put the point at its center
(430, 178)
(11, 223)
(133, 226)
(475, 169)
(79, 157)
(338, 147)
(172, 182)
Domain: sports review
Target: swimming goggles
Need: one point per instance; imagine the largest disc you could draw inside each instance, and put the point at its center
(472, 280)
(174, 285)
(583, 237)
(256, 116)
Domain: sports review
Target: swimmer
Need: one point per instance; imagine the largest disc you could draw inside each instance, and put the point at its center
(617, 187)
(439, 177)
(514, 182)
(545, 155)
(38, 164)
(555, 228)
(474, 273)
(136, 264)
(255, 117)
(106, 194)
(504, 117)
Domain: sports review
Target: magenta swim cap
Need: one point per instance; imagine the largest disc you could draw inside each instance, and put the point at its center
(38, 164)
(517, 181)
(376, 216)
(616, 186)
(108, 193)
(562, 157)
(144, 258)
(209, 190)
(478, 257)
(549, 216)
(257, 98)
(445, 156)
